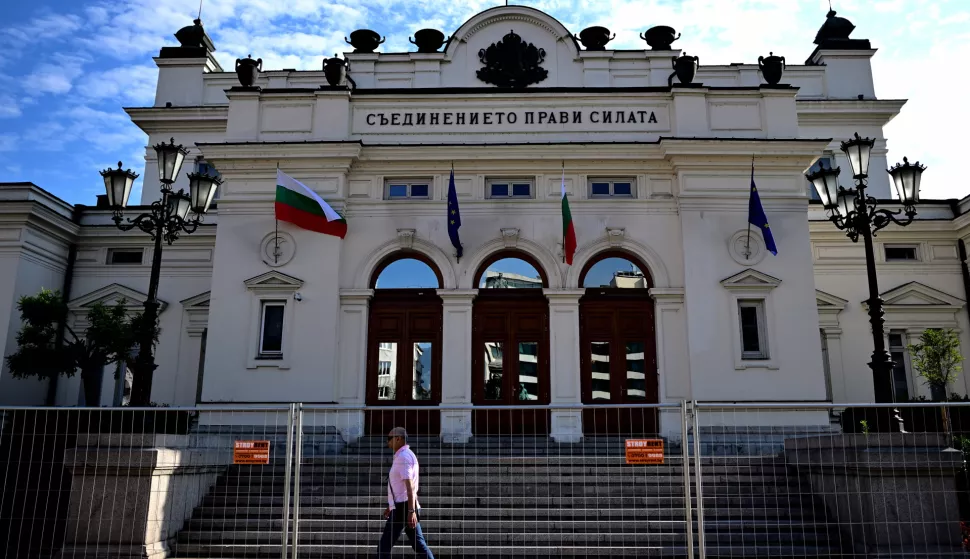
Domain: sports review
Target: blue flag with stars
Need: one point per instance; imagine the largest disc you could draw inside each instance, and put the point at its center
(757, 217)
(454, 215)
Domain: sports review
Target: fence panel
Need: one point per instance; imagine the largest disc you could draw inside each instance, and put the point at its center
(127, 482)
(805, 480)
(494, 482)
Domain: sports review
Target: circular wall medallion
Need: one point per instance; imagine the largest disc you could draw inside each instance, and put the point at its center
(745, 252)
(277, 248)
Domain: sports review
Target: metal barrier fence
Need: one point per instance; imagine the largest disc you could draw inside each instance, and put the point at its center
(663, 480)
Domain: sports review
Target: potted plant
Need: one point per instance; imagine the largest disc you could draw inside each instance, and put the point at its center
(936, 359)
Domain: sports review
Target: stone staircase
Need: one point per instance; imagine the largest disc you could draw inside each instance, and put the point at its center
(515, 497)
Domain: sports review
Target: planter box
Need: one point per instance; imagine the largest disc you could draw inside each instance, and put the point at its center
(890, 493)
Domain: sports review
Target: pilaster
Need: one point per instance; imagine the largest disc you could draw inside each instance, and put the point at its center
(352, 372)
(564, 379)
(673, 357)
(456, 362)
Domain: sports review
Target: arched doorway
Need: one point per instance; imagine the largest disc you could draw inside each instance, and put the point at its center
(618, 357)
(404, 344)
(510, 341)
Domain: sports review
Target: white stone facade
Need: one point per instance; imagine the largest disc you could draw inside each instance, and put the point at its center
(688, 151)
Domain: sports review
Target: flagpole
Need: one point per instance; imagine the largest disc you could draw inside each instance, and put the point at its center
(747, 243)
(562, 182)
(276, 234)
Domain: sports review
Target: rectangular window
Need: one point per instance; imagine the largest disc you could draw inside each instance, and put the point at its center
(898, 253)
(271, 329)
(611, 188)
(413, 189)
(897, 349)
(386, 369)
(754, 342)
(509, 188)
(825, 161)
(125, 256)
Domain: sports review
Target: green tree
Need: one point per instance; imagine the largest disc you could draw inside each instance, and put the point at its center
(936, 358)
(109, 337)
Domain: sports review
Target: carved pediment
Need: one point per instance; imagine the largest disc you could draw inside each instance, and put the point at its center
(200, 301)
(273, 281)
(110, 295)
(829, 301)
(512, 63)
(915, 294)
(751, 279)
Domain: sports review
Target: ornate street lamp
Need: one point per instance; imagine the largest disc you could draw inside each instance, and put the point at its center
(167, 219)
(856, 213)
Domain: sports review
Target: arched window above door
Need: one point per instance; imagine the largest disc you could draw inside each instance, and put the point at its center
(614, 269)
(406, 270)
(510, 270)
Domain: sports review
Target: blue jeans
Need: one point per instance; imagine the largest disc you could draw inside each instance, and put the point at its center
(396, 523)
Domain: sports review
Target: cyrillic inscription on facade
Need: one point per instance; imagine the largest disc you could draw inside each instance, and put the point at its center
(651, 118)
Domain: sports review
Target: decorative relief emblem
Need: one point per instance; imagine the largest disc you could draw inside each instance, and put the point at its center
(277, 249)
(512, 62)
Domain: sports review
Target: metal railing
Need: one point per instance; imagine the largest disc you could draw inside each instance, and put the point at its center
(698, 480)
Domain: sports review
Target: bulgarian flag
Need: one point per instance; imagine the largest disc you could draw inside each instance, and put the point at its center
(297, 204)
(568, 231)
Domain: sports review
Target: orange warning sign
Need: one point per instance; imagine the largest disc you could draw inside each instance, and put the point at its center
(644, 451)
(250, 452)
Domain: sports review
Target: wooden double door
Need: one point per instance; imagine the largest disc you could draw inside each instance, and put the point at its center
(618, 361)
(510, 362)
(404, 361)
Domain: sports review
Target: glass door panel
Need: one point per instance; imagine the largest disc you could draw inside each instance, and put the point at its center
(636, 367)
(421, 365)
(494, 371)
(387, 371)
(528, 382)
(600, 365)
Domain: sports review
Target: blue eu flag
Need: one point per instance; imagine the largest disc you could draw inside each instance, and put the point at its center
(757, 217)
(454, 215)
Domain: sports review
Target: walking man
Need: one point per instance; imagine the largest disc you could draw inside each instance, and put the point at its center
(402, 512)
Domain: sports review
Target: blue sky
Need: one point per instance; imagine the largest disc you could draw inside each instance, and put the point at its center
(69, 66)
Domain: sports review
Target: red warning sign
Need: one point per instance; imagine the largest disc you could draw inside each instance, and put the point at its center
(250, 452)
(644, 451)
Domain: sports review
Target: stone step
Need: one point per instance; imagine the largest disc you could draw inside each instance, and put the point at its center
(377, 478)
(793, 502)
(431, 492)
(522, 536)
(366, 551)
(434, 468)
(630, 520)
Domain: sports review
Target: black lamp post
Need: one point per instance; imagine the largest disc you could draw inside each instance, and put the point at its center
(856, 212)
(167, 218)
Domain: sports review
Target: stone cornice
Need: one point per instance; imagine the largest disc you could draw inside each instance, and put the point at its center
(256, 156)
(162, 120)
(838, 113)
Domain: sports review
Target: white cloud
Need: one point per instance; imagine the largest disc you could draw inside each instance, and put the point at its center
(130, 84)
(56, 77)
(8, 142)
(9, 107)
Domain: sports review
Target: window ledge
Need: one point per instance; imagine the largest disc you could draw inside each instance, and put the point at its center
(756, 364)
